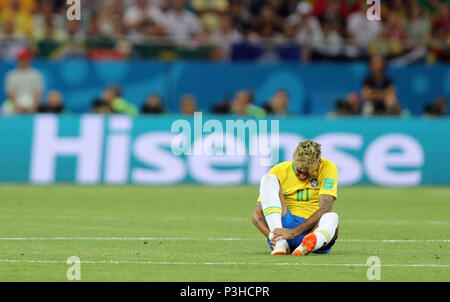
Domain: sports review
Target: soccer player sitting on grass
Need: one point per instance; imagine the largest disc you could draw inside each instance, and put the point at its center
(294, 207)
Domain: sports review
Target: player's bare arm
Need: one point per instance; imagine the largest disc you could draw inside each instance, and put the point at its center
(325, 206)
(259, 221)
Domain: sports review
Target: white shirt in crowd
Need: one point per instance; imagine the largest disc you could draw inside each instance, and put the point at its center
(23, 84)
(309, 28)
(183, 25)
(361, 29)
(134, 13)
(226, 40)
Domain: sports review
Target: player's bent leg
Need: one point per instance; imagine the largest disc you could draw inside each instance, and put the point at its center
(272, 209)
(322, 236)
(326, 248)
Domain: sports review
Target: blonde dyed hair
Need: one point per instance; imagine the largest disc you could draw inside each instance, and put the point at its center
(307, 156)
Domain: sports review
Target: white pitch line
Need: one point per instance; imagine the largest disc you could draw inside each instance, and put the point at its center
(121, 238)
(199, 239)
(221, 263)
(394, 222)
(395, 240)
(224, 219)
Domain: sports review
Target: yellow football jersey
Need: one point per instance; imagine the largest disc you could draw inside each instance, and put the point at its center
(302, 197)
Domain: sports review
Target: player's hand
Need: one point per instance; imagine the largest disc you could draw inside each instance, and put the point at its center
(272, 242)
(283, 234)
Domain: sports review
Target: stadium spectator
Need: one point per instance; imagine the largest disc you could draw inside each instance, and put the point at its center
(361, 30)
(379, 91)
(278, 104)
(267, 24)
(188, 104)
(333, 12)
(27, 5)
(20, 14)
(119, 104)
(142, 19)
(442, 106)
(46, 17)
(54, 103)
(289, 33)
(153, 105)
(93, 31)
(109, 17)
(141, 11)
(418, 25)
(344, 8)
(441, 26)
(224, 37)
(161, 4)
(240, 17)
(209, 12)
(73, 45)
(50, 32)
(282, 8)
(309, 30)
(243, 105)
(113, 102)
(348, 106)
(393, 30)
(332, 41)
(342, 108)
(181, 24)
(398, 6)
(222, 107)
(100, 106)
(392, 106)
(10, 42)
(101, 46)
(355, 102)
(24, 86)
(438, 108)
(75, 31)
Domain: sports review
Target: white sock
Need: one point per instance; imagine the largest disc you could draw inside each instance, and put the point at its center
(326, 230)
(270, 201)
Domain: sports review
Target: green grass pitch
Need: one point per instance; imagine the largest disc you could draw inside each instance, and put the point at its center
(197, 233)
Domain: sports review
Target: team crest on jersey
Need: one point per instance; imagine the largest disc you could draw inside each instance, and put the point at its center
(314, 183)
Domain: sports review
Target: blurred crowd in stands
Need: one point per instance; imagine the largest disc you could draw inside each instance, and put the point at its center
(262, 30)
(265, 30)
(24, 87)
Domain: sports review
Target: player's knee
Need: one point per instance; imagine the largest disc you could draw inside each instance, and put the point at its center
(269, 180)
(331, 216)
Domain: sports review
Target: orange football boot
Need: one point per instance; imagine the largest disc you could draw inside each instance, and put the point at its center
(307, 246)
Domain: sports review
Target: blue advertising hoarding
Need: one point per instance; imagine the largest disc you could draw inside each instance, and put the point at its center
(313, 88)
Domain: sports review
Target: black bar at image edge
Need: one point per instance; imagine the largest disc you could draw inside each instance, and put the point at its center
(214, 291)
